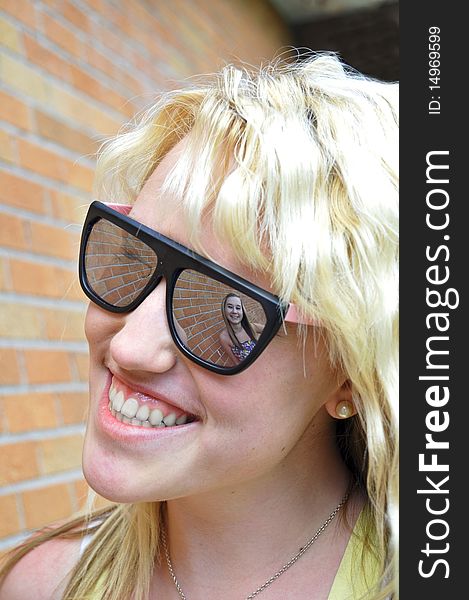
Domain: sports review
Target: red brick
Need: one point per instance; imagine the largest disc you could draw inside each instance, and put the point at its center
(42, 280)
(60, 454)
(99, 6)
(79, 176)
(10, 373)
(74, 291)
(18, 462)
(63, 134)
(137, 88)
(74, 407)
(41, 161)
(75, 16)
(47, 366)
(14, 111)
(4, 273)
(20, 321)
(91, 86)
(7, 151)
(45, 505)
(54, 241)
(26, 412)
(99, 61)
(82, 363)
(10, 37)
(12, 229)
(9, 523)
(23, 10)
(68, 208)
(111, 40)
(19, 192)
(46, 59)
(81, 489)
(62, 36)
(63, 324)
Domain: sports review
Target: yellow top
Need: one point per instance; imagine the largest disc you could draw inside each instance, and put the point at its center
(350, 583)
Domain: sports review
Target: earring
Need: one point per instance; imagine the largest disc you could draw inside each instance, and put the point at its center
(344, 409)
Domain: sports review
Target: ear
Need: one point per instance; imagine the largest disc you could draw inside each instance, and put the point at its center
(340, 405)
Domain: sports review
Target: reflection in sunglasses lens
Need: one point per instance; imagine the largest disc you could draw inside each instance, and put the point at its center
(118, 266)
(214, 321)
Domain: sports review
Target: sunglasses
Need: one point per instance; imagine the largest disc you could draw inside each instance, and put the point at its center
(217, 319)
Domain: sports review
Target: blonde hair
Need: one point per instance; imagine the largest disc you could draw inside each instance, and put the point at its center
(298, 165)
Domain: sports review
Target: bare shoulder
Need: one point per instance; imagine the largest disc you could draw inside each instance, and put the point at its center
(43, 573)
(224, 337)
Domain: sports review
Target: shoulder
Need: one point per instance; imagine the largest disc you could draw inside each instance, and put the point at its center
(43, 572)
(224, 337)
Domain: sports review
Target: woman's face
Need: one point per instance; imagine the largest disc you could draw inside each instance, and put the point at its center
(247, 426)
(234, 310)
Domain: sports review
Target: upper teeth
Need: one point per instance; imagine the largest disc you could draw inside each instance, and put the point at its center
(131, 412)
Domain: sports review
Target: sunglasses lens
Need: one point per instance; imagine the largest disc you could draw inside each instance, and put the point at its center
(118, 266)
(214, 321)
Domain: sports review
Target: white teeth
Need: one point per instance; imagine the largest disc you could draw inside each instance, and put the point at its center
(128, 411)
(130, 407)
(118, 401)
(143, 412)
(156, 416)
(169, 420)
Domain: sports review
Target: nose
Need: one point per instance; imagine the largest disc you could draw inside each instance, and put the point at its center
(144, 342)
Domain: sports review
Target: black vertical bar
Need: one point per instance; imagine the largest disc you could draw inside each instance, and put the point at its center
(434, 396)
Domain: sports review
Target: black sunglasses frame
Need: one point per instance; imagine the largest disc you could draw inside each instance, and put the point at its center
(173, 258)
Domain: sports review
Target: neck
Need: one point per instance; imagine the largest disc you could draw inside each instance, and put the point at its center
(251, 529)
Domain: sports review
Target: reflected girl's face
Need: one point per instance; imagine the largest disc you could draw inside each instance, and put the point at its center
(162, 427)
(234, 310)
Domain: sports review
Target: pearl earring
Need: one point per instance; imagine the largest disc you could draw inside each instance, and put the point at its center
(344, 409)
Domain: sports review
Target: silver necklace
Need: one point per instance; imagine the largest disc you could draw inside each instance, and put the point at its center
(281, 571)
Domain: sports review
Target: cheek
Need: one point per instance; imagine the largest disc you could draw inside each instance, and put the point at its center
(100, 326)
(272, 402)
(93, 324)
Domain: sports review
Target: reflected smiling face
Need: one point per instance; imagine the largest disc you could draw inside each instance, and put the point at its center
(232, 430)
(233, 310)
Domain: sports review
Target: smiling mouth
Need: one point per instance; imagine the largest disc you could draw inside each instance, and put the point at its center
(142, 411)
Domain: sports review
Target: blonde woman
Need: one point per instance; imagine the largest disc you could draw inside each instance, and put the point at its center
(275, 477)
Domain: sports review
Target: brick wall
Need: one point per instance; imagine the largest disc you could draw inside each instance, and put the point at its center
(71, 71)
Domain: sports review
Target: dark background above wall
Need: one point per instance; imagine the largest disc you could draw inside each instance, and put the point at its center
(365, 33)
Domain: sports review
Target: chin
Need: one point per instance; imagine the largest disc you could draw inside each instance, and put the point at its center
(119, 479)
(106, 474)
(102, 476)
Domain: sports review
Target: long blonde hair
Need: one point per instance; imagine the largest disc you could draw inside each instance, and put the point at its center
(298, 165)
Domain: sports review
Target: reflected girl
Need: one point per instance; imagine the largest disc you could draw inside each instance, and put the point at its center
(238, 338)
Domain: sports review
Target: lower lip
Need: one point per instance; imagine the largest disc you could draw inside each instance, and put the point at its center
(118, 430)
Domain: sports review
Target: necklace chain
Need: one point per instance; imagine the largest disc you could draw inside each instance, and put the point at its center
(274, 577)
